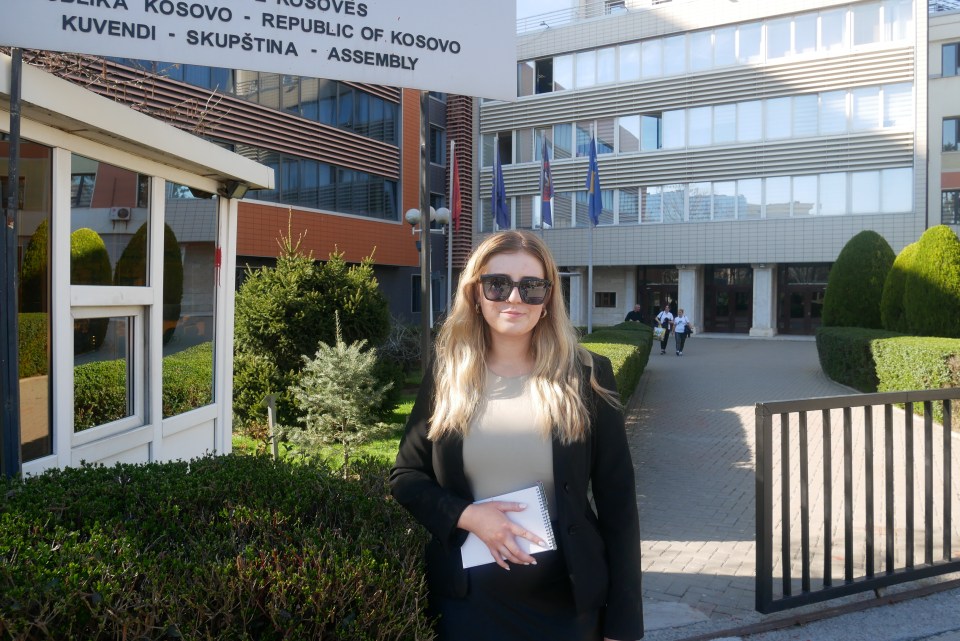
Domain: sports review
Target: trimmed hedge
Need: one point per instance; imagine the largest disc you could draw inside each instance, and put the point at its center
(100, 394)
(627, 345)
(89, 265)
(931, 295)
(892, 313)
(881, 361)
(32, 332)
(855, 284)
(221, 548)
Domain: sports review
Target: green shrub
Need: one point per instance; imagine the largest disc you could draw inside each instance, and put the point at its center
(846, 355)
(283, 314)
(100, 388)
(627, 345)
(855, 284)
(931, 296)
(892, 313)
(132, 270)
(223, 549)
(32, 344)
(89, 265)
(35, 272)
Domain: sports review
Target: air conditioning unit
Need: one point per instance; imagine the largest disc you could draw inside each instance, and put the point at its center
(120, 213)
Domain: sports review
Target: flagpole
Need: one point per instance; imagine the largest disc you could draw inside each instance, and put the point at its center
(540, 204)
(450, 230)
(593, 134)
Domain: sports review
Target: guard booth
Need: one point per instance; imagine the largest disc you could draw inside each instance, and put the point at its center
(125, 252)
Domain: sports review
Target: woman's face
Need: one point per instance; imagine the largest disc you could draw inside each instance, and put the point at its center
(511, 318)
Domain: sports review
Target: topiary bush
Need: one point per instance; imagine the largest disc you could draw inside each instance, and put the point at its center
(32, 345)
(89, 265)
(846, 355)
(218, 548)
(931, 296)
(892, 314)
(627, 345)
(131, 271)
(855, 284)
(35, 272)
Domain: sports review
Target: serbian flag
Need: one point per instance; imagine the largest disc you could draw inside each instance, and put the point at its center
(594, 200)
(546, 188)
(456, 205)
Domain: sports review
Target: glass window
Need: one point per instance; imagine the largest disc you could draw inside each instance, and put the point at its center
(674, 55)
(526, 74)
(524, 151)
(104, 386)
(898, 20)
(109, 223)
(951, 134)
(629, 62)
(833, 112)
(724, 46)
(866, 24)
(699, 195)
(777, 197)
(724, 124)
(896, 190)
(189, 302)
(898, 105)
(563, 140)
(748, 43)
(628, 205)
(538, 137)
(544, 76)
(950, 59)
(950, 207)
(805, 33)
(833, 30)
(650, 134)
(777, 118)
(865, 108)
(805, 115)
(701, 50)
(748, 121)
(651, 60)
(486, 149)
(673, 203)
(778, 38)
(606, 65)
(563, 72)
(562, 209)
(629, 133)
(865, 192)
(724, 200)
(804, 202)
(586, 69)
(34, 303)
(674, 129)
(652, 204)
(584, 134)
(833, 194)
(605, 133)
(699, 124)
(748, 198)
(524, 212)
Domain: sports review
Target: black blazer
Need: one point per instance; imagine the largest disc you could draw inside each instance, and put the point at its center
(601, 549)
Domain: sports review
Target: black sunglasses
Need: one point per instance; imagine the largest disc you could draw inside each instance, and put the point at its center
(498, 287)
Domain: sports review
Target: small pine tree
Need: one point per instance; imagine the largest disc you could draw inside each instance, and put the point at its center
(338, 391)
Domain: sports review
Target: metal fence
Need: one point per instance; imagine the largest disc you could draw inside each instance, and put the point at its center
(856, 507)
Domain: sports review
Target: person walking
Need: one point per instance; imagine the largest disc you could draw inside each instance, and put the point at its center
(512, 400)
(665, 320)
(681, 329)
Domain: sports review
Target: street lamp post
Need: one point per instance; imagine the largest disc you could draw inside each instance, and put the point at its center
(441, 216)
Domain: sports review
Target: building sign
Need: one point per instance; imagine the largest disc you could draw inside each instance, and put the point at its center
(464, 47)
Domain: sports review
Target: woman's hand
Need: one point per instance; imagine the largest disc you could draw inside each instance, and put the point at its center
(488, 521)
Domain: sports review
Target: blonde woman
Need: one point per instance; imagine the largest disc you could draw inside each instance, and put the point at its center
(511, 400)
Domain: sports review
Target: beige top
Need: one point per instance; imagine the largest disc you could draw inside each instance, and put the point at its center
(503, 450)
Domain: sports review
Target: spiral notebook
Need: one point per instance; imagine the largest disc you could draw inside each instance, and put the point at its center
(536, 519)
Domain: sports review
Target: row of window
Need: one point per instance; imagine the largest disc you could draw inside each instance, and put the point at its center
(774, 40)
(316, 185)
(827, 113)
(827, 194)
(326, 101)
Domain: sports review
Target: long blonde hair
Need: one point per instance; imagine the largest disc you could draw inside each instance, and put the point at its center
(460, 367)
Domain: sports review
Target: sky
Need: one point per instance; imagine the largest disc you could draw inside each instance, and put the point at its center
(526, 8)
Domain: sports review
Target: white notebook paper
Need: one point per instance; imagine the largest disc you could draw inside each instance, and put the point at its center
(535, 518)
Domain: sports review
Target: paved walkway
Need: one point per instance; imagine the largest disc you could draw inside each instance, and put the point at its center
(691, 429)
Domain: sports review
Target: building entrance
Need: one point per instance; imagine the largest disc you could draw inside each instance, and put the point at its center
(800, 302)
(656, 287)
(728, 299)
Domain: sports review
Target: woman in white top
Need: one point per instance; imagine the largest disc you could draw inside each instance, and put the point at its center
(512, 400)
(680, 325)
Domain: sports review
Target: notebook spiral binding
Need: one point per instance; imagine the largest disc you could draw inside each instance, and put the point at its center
(545, 513)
